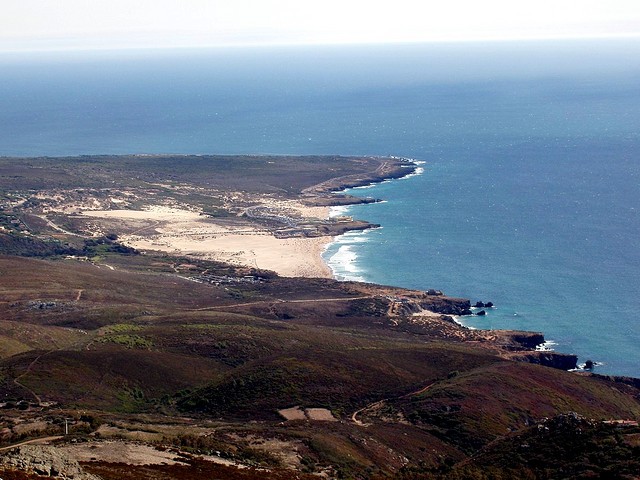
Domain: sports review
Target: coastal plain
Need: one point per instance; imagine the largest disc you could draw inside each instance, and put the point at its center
(170, 317)
(261, 217)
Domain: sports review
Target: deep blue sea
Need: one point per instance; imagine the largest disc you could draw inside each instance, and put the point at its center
(530, 194)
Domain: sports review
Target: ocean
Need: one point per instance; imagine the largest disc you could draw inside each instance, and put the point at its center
(529, 195)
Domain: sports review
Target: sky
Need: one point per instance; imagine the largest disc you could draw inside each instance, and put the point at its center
(113, 24)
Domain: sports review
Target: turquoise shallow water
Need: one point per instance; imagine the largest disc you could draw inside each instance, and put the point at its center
(530, 195)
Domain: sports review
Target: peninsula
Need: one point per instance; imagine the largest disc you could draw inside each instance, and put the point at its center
(169, 316)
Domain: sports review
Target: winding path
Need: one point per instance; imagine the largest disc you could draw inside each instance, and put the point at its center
(354, 416)
(16, 380)
(34, 440)
(26, 372)
(279, 300)
(56, 227)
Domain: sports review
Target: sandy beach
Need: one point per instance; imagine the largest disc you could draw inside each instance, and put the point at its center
(178, 230)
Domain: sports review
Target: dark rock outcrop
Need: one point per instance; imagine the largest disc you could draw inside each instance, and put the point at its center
(631, 381)
(388, 168)
(561, 361)
(339, 228)
(446, 305)
(339, 200)
(528, 339)
(483, 305)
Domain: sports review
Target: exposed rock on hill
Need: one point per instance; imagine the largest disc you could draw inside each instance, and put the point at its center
(45, 461)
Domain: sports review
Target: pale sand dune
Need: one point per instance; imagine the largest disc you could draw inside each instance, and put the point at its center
(155, 213)
(291, 257)
(188, 232)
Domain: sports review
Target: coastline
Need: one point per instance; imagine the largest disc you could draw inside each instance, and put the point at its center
(293, 246)
(276, 217)
(343, 268)
(289, 235)
(286, 234)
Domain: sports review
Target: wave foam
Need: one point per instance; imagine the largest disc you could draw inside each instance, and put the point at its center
(418, 171)
(343, 262)
(546, 346)
(338, 211)
(459, 320)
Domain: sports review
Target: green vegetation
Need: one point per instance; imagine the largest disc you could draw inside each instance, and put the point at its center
(16, 243)
(104, 245)
(216, 211)
(568, 446)
(122, 328)
(127, 340)
(19, 244)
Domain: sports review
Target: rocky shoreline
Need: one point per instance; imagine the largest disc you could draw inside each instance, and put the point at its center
(518, 345)
(525, 345)
(390, 168)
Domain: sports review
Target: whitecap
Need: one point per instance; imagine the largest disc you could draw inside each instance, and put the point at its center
(418, 171)
(338, 211)
(547, 346)
(353, 237)
(459, 321)
(343, 262)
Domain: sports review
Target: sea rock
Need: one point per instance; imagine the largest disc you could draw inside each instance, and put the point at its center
(481, 313)
(483, 305)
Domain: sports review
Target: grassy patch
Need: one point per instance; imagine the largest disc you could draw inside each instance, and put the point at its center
(122, 328)
(127, 340)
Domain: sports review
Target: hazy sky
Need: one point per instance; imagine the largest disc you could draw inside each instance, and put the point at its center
(89, 24)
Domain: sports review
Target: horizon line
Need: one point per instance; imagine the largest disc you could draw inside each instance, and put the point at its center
(239, 45)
